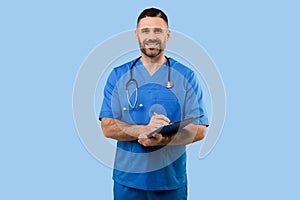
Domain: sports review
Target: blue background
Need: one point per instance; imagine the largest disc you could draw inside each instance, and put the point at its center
(255, 45)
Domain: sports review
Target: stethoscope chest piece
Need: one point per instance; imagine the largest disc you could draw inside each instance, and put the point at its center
(169, 84)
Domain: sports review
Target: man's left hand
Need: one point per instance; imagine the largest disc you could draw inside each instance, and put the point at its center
(155, 140)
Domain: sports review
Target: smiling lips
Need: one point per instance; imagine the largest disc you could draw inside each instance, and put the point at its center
(151, 44)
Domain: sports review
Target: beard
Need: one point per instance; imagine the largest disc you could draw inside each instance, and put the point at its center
(154, 51)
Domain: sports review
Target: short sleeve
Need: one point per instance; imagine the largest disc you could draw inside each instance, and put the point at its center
(194, 103)
(110, 106)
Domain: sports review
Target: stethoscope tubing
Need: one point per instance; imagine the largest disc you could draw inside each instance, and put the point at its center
(168, 84)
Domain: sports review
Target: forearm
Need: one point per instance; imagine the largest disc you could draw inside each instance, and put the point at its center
(121, 131)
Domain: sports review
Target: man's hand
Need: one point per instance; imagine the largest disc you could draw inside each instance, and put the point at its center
(157, 139)
(153, 141)
(157, 121)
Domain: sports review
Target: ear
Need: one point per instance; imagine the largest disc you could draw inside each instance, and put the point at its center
(168, 35)
(136, 35)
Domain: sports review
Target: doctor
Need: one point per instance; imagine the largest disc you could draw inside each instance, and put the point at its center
(140, 96)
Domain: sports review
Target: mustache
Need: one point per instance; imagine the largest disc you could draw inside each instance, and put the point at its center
(155, 41)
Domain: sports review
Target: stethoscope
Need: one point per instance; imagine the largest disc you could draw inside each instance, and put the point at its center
(169, 84)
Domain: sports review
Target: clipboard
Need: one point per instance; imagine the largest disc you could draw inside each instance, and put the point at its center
(173, 127)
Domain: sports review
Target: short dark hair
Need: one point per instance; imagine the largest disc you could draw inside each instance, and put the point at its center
(152, 12)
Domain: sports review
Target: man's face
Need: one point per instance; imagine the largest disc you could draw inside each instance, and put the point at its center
(152, 34)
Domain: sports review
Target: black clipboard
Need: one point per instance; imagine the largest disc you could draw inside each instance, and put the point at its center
(173, 127)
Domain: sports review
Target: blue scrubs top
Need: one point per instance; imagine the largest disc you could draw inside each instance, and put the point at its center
(160, 167)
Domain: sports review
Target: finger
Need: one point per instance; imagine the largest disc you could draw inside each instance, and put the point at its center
(144, 142)
(142, 136)
(163, 118)
(154, 135)
(157, 123)
(157, 136)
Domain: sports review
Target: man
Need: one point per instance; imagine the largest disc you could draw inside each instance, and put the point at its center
(137, 102)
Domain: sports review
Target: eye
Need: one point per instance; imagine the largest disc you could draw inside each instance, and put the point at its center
(145, 30)
(158, 30)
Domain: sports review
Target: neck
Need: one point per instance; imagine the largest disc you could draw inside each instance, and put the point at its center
(152, 64)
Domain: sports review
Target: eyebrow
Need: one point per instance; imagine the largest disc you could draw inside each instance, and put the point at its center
(155, 29)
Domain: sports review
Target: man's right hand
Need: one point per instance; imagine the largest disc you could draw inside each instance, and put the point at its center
(157, 121)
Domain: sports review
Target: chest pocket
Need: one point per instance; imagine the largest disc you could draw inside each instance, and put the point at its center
(166, 99)
(170, 104)
(159, 99)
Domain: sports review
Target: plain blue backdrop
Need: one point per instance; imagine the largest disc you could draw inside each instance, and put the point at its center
(254, 44)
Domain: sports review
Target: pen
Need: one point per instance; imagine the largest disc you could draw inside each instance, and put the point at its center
(154, 113)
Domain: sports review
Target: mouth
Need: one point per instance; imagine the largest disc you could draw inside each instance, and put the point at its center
(151, 45)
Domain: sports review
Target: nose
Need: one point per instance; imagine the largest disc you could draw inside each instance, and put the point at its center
(152, 35)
